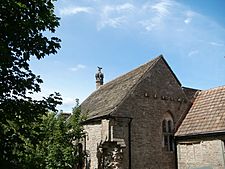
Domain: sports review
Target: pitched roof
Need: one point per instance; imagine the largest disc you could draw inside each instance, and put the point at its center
(207, 114)
(108, 97)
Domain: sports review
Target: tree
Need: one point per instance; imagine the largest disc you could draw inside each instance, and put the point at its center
(58, 144)
(22, 27)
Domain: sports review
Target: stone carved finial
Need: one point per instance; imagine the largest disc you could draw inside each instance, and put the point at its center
(99, 77)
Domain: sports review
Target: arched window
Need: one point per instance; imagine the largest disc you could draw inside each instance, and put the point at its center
(167, 130)
(170, 128)
(164, 126)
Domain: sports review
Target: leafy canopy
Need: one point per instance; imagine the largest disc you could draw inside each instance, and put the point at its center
(58, 145)
(22, 27)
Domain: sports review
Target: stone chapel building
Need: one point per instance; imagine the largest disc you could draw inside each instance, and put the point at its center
(145, 119)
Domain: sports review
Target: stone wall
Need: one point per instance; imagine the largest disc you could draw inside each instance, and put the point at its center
(120, 130)
(203, 154)
(103, 139)
(155, 95)
(93, 139)
(158, 93)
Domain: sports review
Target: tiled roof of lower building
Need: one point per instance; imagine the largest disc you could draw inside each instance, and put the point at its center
(207, 114)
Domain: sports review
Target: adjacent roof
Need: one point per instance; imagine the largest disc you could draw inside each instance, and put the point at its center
(207, 114)
(108, 97)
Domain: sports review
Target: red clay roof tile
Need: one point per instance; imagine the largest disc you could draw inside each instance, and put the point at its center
(206, 115)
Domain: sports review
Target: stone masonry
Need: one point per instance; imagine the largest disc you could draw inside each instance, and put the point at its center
(145, 119)
(136, 126)
(201, 154)
(157, 94)
(92, 140)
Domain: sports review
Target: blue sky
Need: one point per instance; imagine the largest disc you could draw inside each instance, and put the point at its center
(120, 35)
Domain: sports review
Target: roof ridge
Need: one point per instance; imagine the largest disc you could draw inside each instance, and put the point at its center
(112, 94)
(153, 61)
(215, 88)
(133, 70)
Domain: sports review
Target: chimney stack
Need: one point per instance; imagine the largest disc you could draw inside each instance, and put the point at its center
(99, 78)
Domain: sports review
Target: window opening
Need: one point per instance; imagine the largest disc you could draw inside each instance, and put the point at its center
(167, 129)
(164, 126)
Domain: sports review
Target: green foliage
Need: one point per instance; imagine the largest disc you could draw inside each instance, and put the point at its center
(58, 145)
(22, 24)
(50, 143)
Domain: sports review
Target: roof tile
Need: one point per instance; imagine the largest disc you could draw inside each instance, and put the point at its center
(106, 99)
(206, 115)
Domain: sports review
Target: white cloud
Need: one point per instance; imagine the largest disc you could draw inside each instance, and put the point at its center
(74, 10)
(189, 16)
(149, 15)
(162, 8)
(68, 101)
(115, 15)
(216, 44)
(77, 67)
(126, 14)
(112, 22)
(190, 13)
(194, 52)
(164, 18)
(125, 7)
(149, 25)
(156, 13)
(67, 104)
(187, 20)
